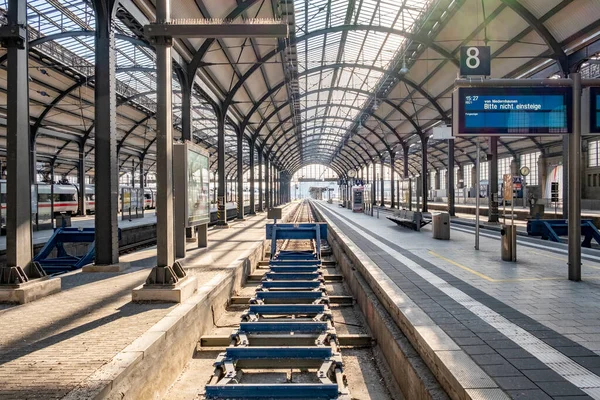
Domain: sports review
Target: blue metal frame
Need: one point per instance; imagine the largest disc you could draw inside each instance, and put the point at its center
(63, 261)
(553, 229)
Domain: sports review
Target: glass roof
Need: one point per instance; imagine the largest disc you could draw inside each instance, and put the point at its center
(336, 76)
(135, 63)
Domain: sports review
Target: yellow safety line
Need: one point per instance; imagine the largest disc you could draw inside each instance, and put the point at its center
(479, 274)
(490, 279)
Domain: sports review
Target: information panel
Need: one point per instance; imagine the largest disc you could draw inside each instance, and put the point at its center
(595, 110)
(198, 207)
(513, 111)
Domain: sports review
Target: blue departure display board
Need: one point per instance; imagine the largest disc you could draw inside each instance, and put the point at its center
(514, 111)
(595, 110)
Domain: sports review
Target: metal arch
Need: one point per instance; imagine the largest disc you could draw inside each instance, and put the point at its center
(321, 117)
(541, 30)
(363, 149)
(377, 117)
(377, 152)
(132, 129)
(329, 66)
(310, 145)
(340, 28)
(38, 123)
(354, 90)
(398, 76)
(366, 151)
(311, 142)
(341, 166)
(199, 54)
(320, 151)
(71, 88)
(297, 164)
(314, 128)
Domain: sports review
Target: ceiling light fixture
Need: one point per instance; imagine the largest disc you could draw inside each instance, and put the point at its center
(404, 69)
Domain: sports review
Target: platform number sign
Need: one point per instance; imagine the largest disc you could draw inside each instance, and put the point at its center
(475, 60)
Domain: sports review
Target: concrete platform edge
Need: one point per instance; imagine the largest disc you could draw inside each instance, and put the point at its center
(414, 324)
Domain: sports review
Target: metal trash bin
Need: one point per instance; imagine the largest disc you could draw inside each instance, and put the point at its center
(537, 211)
(441, 226)
(509, 243)
(63, 220)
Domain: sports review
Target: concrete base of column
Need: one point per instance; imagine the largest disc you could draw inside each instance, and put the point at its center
(30, 291)
(223, 225)
(119, 267)
(177, 293)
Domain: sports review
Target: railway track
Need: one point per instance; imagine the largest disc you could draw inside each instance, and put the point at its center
(291, 333)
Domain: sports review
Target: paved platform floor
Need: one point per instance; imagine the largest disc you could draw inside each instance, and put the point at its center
(534, 332)
(49, 346)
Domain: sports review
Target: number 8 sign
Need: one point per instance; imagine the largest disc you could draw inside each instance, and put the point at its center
(475, 60)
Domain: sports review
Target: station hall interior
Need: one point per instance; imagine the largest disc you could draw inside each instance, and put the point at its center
(300, 199)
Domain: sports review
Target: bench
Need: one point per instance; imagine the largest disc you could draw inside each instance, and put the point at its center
(409, 219)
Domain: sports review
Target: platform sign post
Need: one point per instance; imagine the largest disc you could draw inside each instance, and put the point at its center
(477, 194)
(508, 193)
(575, 184)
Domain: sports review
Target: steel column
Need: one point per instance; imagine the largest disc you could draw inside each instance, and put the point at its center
(405, 170)
(381, 184)
(450, 181)
(575, 184)
(221, 206)
(392, 177)
(252, 183)
(424, 176)
(106, 159)
(81, 179)
(240, 174)
(18, 158)
(493, 180)
(267, 184)
(260, 181)
(186, 108)
(374, 185)
(165, 255)
(142, 185)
